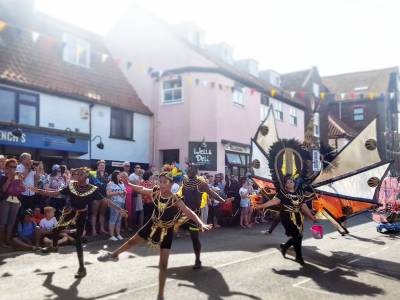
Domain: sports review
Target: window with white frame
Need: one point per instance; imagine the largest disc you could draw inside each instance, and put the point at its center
(263, 112)
(76, 51)
(292, 116)
(172, 91)
(278, 111)
(238, 94)
(316, 90)
(358, 114)
(316, 125)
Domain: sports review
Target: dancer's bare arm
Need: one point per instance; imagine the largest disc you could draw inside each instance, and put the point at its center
(192, 216)
(274, 201)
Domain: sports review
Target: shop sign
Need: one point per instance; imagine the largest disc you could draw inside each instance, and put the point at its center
(204, 155)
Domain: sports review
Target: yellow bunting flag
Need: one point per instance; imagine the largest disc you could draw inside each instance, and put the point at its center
(189, 80)
(322, 95)
(371, 96)
(273, 93)
(3, 25)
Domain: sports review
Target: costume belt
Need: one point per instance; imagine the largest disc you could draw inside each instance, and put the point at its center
(162, 227)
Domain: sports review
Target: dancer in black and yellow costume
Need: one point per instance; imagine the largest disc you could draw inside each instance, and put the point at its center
(192, 190)
(158, 231)
(81, 195)
(287, 161)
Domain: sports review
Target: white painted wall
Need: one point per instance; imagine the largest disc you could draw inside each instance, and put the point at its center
(66, 113)
(116, 149)
(63, 113)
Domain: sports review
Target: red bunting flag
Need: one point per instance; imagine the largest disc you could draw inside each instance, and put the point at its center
(301, 94)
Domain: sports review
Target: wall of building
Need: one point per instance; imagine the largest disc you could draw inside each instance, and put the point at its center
(148, 42)
(284, 128)
(137, 150)
(63, 113)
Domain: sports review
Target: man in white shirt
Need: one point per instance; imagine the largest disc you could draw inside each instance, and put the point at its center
(25, 170)
(135, 176)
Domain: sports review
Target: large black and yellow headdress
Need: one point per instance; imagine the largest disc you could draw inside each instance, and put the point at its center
(287, 157)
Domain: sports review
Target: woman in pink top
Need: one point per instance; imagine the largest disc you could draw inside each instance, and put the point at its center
(389, 190)
(128, 201)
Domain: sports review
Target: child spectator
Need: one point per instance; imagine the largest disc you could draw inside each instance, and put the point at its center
(47, 224)
(28, 234)
(116, 190)
(128, 222)
(37, 215)
(244, 204)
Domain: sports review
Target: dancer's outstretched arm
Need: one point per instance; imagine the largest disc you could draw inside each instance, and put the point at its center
(205, 188)
(191, 215)
(273, 202)
(46, 193)
(138, 188)
(308, 212)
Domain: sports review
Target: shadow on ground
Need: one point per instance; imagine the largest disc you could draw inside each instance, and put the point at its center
(71, 292)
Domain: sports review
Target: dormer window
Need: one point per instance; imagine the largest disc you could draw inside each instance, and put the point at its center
(76, 51)
(360, 88)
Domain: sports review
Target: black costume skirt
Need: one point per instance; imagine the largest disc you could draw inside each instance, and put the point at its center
(292, 228)
(145, 233)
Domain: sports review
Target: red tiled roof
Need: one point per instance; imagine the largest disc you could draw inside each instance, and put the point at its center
(337, 128)
(41, 67)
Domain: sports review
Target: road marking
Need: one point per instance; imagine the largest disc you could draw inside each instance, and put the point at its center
(298, 284)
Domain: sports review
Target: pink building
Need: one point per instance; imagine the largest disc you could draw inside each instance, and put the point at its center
(206, 105)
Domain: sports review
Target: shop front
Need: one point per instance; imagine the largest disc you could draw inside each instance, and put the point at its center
(47, 145)
(237, 158)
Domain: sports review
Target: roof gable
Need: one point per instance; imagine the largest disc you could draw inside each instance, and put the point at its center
(376, 81)
(39, 65)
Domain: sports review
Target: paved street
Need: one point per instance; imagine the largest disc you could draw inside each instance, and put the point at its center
(239, 264)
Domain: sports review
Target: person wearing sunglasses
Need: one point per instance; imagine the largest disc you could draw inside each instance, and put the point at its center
(11, 188)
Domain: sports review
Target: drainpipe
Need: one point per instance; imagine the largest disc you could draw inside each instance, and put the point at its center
(90, 131)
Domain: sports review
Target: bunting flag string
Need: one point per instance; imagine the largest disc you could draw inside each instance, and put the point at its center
(3, 25)
(51, 41)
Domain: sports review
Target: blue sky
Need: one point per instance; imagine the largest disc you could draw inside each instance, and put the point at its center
(337, 36)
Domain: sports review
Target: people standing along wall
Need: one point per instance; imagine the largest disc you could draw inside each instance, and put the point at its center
(117, 192)
(99, 207)
(25, 168)
(11, 188)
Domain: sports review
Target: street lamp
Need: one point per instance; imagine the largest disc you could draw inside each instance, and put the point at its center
(16, 131)
(70, 137)
(100, 144)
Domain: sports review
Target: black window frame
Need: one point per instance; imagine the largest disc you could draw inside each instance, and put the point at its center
(121, 111)
(358, 114)
(18, 101)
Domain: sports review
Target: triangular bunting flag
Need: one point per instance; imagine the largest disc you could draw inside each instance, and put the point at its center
(292, 94)
(3, 25)
(35, 36)
(273, 92)
(104, 57)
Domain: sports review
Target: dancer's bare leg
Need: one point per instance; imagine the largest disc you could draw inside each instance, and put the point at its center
(162, 277)
(134, 241)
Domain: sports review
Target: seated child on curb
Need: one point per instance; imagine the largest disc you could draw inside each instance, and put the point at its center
(47, 224)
